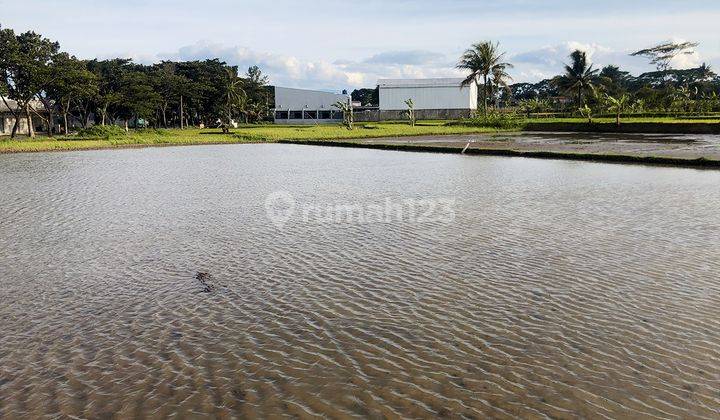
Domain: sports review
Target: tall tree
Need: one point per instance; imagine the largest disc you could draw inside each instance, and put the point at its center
(73, 84)
(235, 97)
(9, 50)
(479, 60)
(704, 73)
(366, 96)
(613, 80)
(579, 76)
(257, 95)
(661, 55)
(170, 86)
(499, 81)
(138, 98)
(204, 95)
(25, 70)
(110, 75)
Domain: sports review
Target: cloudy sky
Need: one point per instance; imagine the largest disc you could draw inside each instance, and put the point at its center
(334, 45)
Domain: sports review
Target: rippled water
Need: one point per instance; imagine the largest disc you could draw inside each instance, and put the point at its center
(559, 289)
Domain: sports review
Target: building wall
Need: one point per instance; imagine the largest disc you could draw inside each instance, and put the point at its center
(428, 97)
(299, 99)
(7, 121)
(301, 106)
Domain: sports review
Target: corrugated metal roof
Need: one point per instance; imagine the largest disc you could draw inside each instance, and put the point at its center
(35, 104)
(10, 102)
(405, 83)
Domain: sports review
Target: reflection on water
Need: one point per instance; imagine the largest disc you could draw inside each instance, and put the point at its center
(150, 282)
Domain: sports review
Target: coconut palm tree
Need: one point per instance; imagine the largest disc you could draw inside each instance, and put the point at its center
(500, 79)
(235, 97)
(579, 76)
(480, 60)
(705, 72)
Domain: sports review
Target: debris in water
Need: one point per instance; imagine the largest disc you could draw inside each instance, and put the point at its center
(204, 279)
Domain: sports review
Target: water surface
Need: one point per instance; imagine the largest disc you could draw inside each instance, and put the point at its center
(559, 289)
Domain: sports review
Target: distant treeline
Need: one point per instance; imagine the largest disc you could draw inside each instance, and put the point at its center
(584, 90)
(659, 91)
(671, 91)
(38, 80)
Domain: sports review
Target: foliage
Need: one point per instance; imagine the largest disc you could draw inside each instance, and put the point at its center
(495, 120)
(25, 61)
(536, 105)
(482, 59)
(662, 54)
(579, 76)
(410, 112)
(367, 97)
(499, 82)
(72, 87)
(234, 98)
(586, 112)
(257, 96)
(347, 110)
(612, 80)
(118, 91)
(101, 132)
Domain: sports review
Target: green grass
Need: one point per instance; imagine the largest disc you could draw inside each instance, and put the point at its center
(102, 138)
(41, 144)
(244, 134)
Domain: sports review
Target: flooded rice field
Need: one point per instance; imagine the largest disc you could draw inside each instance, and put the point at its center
(678, 146)
(257, 281)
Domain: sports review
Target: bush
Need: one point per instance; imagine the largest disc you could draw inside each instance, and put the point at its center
(494, 119)
(101, 131)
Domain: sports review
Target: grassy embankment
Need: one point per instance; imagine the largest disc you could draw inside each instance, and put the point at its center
(116, 138)
(661, 125)
(244, 134)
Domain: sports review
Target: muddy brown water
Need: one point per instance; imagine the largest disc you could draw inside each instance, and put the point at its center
(151, 283)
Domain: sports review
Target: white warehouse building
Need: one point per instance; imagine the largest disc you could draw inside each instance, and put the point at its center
(432, 98)
(302, 106)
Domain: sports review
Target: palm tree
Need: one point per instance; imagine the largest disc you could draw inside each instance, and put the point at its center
(480, 60)
(705, 72)
(579, 76)
(235, 96)
(500, 79)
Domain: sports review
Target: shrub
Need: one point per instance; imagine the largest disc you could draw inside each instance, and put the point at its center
(101, 131)
(494, 119)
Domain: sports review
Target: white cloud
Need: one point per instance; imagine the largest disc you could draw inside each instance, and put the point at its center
(548, 61)
(340, 74)
(283, 70)
(292, 71)
(688, 59)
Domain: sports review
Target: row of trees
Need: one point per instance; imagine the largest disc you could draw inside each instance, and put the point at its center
(35, 73)
(583, 89)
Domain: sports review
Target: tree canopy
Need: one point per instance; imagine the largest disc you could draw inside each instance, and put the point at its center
(34, 70)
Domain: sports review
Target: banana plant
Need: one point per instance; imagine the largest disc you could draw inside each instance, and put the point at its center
(617, 105)
(347, 110)
(586, 112)
(410, 112)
